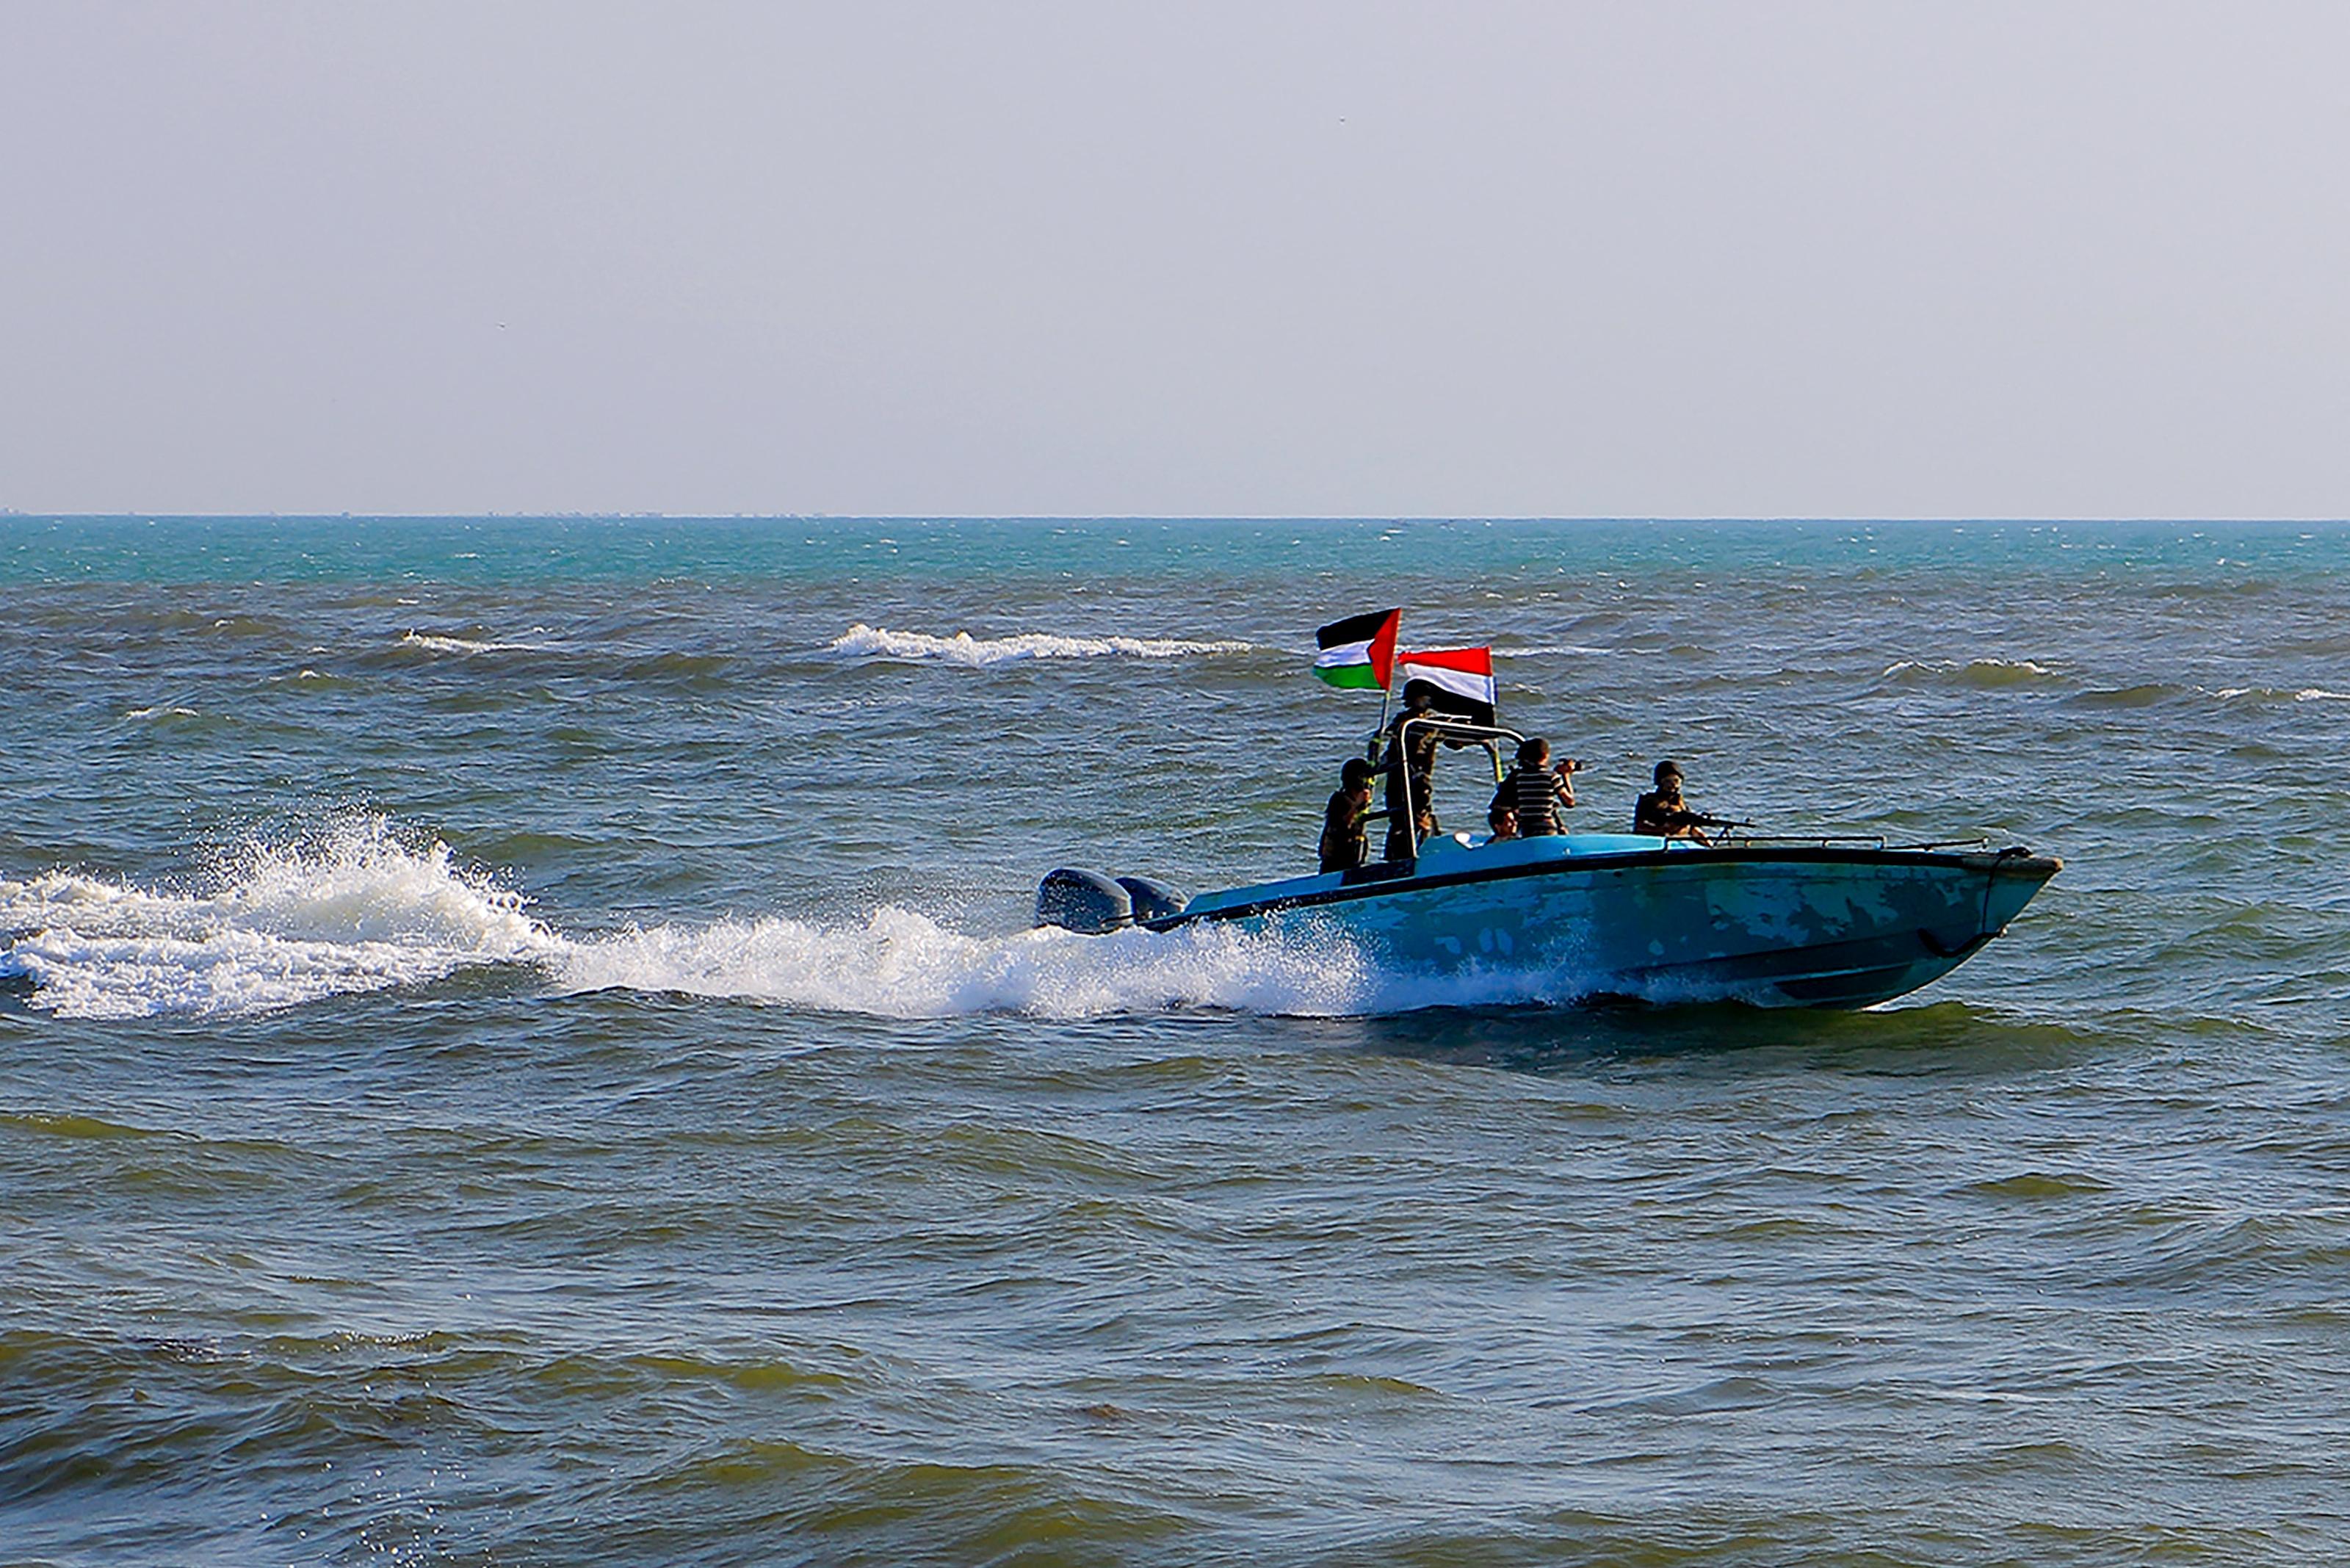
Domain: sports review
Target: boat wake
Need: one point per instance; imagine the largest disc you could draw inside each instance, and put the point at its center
(902, 964)
(354, 909)
(360, 907)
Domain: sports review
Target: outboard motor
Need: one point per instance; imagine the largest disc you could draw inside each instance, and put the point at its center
(1153, 900)
(1086, 902)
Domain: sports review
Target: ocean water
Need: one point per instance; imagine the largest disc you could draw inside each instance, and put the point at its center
(536, 1057)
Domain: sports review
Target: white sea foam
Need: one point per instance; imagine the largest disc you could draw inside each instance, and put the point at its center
(229, 971)
(862, 642)
(352, 909)
(2266, 693)
(431, 643)
(900, 964)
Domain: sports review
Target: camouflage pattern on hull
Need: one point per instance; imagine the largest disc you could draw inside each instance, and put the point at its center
(1814, 926)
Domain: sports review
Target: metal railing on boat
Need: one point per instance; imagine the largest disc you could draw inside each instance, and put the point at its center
(1979, 843)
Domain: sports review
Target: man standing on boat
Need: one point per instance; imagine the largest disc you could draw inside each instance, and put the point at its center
(1345, 845)
(1410, 759)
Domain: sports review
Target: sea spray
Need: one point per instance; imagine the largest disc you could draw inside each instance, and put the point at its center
(353, 907)
(902, 964)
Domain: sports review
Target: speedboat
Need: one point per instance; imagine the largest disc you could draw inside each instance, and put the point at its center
(1840, 922)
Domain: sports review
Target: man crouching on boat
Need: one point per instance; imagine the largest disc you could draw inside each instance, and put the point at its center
(1664, 813)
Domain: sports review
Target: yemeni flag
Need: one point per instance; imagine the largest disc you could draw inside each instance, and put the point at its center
(1358, 651)
(1459, 679)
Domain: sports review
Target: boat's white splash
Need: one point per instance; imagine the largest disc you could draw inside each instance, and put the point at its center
(862, 642)
(359, 907)
(900, 964)
(354, 908)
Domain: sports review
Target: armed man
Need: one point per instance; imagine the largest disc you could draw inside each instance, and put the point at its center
(1410, 756)
(1663, 812)
(1345, 845)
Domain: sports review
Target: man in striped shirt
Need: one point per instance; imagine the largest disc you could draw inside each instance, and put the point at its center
(1535, 791)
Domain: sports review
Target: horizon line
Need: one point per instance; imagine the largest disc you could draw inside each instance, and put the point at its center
(20, 514)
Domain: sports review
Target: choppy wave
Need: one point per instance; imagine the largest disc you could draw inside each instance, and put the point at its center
(2146, 694)
(862, 642)
(2001, 674)
(1982, 674)
(2281, 694)
(359, 909)
(433, 642)
(352, 908)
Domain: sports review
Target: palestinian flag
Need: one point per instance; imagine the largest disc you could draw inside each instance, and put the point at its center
(1459, 679)
(1358, 651)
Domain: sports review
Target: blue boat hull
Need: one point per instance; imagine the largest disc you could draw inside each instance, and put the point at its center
(1625, 915)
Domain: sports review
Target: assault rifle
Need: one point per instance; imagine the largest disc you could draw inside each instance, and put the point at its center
(1676, 819)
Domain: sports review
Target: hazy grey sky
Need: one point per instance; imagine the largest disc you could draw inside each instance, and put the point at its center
(1632, 259)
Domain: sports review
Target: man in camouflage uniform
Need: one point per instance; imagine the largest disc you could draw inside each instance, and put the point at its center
(1664, 813)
